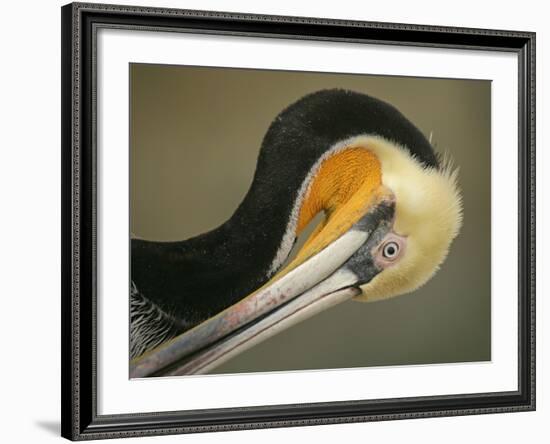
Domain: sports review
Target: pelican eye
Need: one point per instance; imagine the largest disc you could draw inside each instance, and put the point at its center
(390, 250)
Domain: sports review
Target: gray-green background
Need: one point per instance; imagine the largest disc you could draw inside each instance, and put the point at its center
(195, 136)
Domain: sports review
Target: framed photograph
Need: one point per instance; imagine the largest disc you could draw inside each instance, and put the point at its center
(279, 221)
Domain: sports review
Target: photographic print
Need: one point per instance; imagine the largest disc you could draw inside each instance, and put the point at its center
(286, 220)
(274, 221)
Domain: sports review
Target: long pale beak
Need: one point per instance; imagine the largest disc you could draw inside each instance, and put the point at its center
(326, 277)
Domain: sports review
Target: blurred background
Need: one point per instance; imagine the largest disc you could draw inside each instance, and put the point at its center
(195, 137)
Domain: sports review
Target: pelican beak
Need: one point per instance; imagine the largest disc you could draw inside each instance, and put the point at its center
(329, 270)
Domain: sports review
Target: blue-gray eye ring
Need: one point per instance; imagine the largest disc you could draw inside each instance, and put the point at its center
(391, 249)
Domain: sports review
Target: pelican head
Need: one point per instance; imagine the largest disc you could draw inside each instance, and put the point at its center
(428, 216)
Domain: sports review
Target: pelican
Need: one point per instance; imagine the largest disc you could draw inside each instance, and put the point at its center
(391, 205)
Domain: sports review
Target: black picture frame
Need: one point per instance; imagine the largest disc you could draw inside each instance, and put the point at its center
(79, 385)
